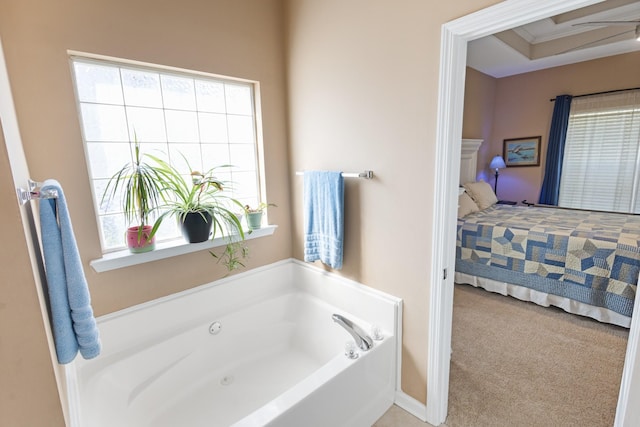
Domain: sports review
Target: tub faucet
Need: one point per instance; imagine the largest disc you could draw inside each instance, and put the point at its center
(363, 340)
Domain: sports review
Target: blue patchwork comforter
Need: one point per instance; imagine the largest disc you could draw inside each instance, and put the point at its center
(591, 257)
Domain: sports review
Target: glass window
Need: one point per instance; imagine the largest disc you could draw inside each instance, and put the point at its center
(177, 115)
(601, 166)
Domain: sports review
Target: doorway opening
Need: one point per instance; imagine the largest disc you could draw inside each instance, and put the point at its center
(455, 36)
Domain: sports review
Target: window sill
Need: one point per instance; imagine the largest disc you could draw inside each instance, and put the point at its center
(122, 259)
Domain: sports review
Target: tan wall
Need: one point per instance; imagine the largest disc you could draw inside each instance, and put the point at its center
(363, 85)
(28, 396)
(478, 115)
(522, 109)
(241, 38)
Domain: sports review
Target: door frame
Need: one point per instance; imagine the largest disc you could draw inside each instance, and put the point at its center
(454, 38)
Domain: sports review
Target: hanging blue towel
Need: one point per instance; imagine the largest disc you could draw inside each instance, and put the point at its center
(324, 217)
(73, 323)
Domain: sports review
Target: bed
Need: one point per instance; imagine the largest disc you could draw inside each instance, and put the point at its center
(584, 262)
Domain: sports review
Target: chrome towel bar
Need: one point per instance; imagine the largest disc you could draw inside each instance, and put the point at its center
(34, 193)
(366, 174)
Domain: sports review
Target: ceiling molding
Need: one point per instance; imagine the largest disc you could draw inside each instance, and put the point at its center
(598, 37)
(513, 39)
(557, 41)
(593, 10)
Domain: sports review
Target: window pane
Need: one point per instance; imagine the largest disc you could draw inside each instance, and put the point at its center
(104, 122)
(186, 158)
(243, 156)
(146, 124)
(210, 96)
(215, 155)
(96, 83)
(213, 127)
(168, 230)
(107, 159)
(240, 129)
(182, 126)
(178, 93)
(245, 184)
(141, 88)
(106, 206)
(113, 231)
(238, 99)
(160, 150)
(224, 175)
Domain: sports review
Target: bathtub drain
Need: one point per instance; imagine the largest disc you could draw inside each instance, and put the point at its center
(226, 380)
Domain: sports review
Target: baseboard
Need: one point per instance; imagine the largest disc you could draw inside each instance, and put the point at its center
(411, 405)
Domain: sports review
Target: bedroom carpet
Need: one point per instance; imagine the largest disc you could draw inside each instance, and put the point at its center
(517, 364)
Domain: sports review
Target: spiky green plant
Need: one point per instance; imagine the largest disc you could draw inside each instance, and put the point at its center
(141, 190)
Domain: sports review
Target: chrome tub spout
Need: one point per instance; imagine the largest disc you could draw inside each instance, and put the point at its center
(363, 341)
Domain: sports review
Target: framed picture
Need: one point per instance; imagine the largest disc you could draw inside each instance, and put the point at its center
(522, 151)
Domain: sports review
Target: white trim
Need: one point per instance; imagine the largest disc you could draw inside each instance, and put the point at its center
(626, 414)
(449, 130)
(86, 56)
(398, 332)
(411, 405)
(469, 160)
(455, 35)
(73, 397)
(121, 259)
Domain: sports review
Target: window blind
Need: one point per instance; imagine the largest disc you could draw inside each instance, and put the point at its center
(601, 167)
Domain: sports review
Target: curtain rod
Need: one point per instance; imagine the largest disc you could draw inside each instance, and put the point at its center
(602, 93)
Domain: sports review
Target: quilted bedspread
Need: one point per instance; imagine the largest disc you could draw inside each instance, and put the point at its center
(591, 257)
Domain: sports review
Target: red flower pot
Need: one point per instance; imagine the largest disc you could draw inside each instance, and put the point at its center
(139, 242)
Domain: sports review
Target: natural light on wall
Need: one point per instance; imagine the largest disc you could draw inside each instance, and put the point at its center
(207, 120)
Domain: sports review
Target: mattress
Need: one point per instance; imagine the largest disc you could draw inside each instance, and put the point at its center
(589, 257)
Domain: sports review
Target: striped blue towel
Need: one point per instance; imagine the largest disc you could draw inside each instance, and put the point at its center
(74, 326)
(324, 217)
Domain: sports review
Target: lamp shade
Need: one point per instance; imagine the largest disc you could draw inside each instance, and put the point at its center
(497, 163)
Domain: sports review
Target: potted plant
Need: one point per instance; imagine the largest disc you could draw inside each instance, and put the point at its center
(139, 185)
(254, 215)
(202, 209)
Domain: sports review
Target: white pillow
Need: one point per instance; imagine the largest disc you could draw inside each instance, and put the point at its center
(466, 205)
(481, 193)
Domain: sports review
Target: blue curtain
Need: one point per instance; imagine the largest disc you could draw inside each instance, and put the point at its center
(555, 151)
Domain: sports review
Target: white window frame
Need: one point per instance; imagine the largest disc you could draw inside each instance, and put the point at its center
(258, 156)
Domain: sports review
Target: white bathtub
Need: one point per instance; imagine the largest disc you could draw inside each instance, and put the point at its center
(277, 358)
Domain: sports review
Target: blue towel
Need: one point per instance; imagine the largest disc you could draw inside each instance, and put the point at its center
(73, 323)
(324, 217)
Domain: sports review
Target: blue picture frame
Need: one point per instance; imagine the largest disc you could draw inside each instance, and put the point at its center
(522, 151)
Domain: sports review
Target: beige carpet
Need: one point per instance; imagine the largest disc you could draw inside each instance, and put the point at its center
(518, 364)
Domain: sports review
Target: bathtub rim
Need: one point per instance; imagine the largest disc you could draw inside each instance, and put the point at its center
(313, 269)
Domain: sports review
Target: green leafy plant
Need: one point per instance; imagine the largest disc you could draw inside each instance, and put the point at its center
(141, 189)
(262, 206)
(232, 255)
(203, 193)
(254, 215)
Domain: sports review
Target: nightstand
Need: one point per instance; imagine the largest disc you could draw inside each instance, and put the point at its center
(506, 202)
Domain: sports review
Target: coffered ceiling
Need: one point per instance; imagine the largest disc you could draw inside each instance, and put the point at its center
(560, 40)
